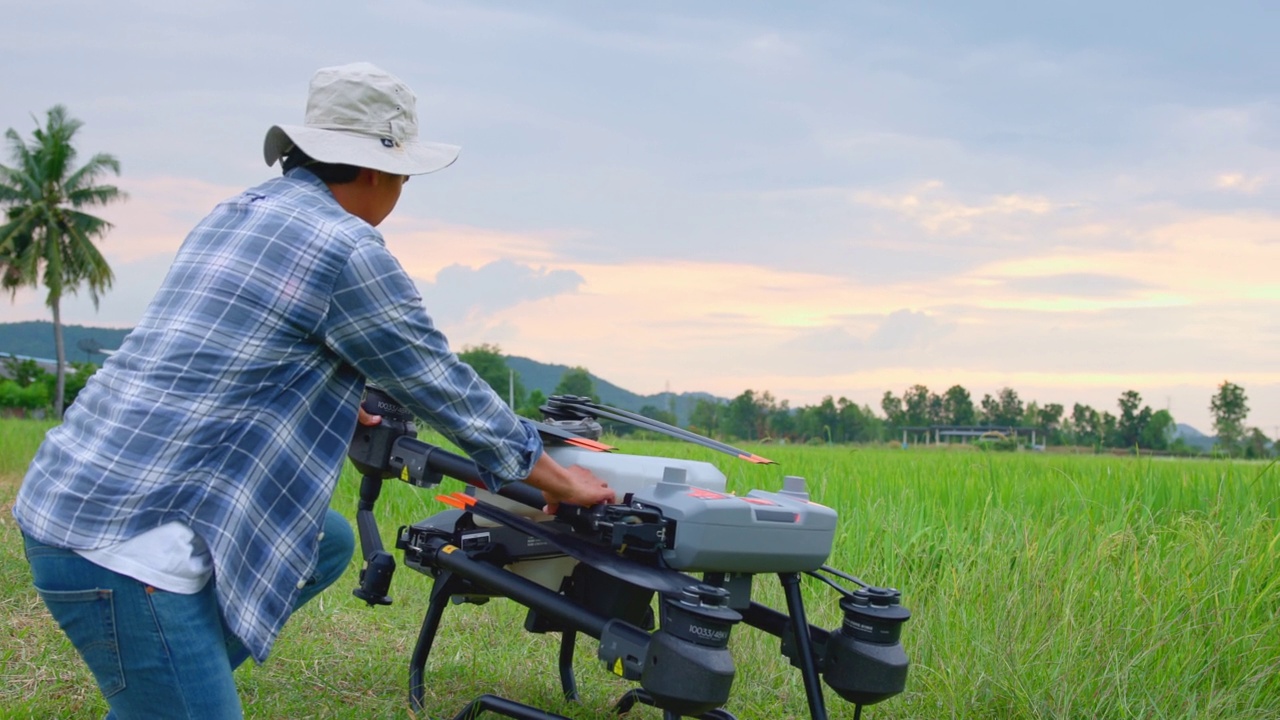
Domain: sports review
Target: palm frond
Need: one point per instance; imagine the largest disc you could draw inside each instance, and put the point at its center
(95, 195)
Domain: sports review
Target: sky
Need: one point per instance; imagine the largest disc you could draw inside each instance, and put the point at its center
(810, 198)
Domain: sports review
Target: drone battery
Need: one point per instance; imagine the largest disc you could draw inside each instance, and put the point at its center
(626, 474)
(630, 473)
(761, 532)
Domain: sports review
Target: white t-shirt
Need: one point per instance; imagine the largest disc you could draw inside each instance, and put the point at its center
(171, 557)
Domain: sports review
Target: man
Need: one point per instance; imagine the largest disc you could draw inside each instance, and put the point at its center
(179, 514)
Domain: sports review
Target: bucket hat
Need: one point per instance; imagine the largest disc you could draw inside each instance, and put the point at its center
(361, 115)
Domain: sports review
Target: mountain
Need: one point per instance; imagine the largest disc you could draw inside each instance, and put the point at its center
(543, 376)
(35, 339)
(1193, 437)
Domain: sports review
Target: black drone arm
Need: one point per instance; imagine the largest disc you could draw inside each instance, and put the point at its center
(391, 449)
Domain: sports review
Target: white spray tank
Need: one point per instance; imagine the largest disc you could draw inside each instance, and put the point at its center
(624, 474)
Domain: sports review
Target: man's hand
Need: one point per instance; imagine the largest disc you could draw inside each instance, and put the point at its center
(574, 485)
(365, 418)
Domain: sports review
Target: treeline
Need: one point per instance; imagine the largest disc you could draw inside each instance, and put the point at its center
(759, 416)
(27, 389)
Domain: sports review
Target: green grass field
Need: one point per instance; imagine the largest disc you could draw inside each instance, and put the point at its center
(1041, 586)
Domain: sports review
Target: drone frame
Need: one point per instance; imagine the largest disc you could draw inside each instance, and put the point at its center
(862, 660)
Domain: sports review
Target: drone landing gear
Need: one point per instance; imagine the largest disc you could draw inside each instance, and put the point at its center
(639, 696)
(567, 683)
(448, 585)
(684, 674)
(504, 707)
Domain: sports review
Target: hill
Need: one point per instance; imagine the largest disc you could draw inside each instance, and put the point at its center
(35, 339)
(1193, 437)
(543, 376)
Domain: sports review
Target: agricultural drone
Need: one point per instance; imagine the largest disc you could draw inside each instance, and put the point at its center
(597, 571)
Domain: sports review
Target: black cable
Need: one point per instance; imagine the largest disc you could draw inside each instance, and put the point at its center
(846, 576)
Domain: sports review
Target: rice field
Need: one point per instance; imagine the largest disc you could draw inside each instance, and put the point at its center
(1041, 586)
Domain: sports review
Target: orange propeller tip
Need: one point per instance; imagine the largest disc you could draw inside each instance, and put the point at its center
(589, 444)
(451, 501)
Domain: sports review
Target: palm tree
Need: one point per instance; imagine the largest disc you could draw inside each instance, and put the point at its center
(47, 238)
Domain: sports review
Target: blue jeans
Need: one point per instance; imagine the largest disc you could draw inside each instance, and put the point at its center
(158, 654)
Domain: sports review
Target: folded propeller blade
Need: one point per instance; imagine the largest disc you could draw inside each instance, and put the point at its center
(580, 407)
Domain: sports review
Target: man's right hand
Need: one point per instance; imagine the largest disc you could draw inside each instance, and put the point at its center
(365, 418)
(574, 485)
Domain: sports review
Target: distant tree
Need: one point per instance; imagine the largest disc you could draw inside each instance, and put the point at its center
(491, 365)
(1132, 420)
(957, 407)
(1010, 407)
(22, 371)
(1157, 432)
(1230, 408)
(915, 403)
(1005, 409)
(779, 421)
(1109, 428)
(48, 238)
(937, 412)
(856, 424)
(819, 422)
(870, 428)
(577, 381)
(654, 412)
(27, 388)
(1086, 424)
(532, 405)
(892, 407)
(705, 417)
(743, 417)
(1030, 414)
(1256, 445)
(26, 398)
(1050, 418)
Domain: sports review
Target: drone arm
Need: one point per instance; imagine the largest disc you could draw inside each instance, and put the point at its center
(422, 464)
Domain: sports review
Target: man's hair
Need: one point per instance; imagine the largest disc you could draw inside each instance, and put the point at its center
(329, 173)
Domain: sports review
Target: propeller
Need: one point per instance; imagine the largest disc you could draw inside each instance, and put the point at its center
(572, 407)
(547, 430)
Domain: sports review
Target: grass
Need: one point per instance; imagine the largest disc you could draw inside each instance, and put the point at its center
(1041, 586)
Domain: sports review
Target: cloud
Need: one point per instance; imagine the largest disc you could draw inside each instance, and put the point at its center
(947, 216)
(905, 329)
(854, 197)
(1092, 285)
(1239, 182)
(460, 292)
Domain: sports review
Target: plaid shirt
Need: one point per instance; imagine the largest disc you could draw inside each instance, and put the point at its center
(230, 406)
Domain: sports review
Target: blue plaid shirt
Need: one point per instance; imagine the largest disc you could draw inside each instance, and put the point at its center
(230, 406)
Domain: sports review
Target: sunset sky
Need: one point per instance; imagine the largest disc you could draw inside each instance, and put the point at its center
(812, 198)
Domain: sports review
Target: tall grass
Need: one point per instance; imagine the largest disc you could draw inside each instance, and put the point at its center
(1041, 586)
